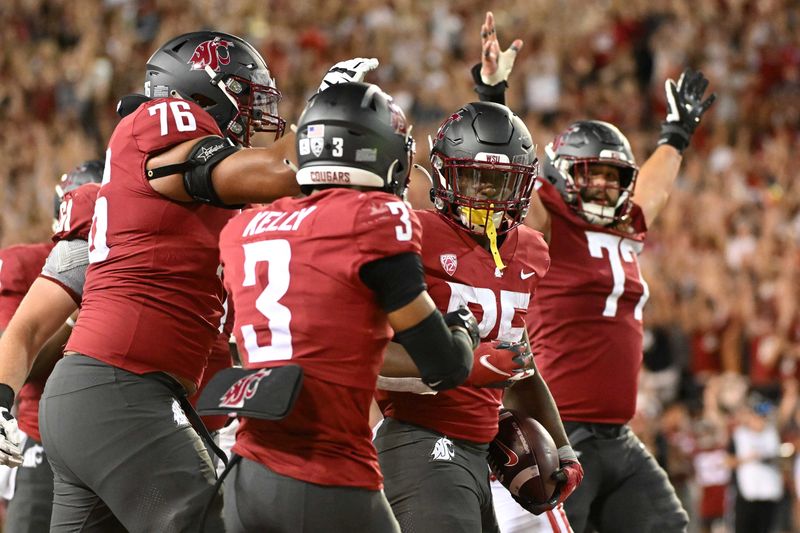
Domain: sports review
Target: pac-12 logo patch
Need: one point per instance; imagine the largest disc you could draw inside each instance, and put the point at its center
(212, 53)
(243, 389)
(449, 263)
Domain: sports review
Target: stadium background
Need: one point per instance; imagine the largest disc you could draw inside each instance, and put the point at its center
(722, 260)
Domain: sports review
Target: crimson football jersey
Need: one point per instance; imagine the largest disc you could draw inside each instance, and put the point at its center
(586, 320)
(75, 222)
(218, 359)
(461, 272)
(19, 267)
(292, 269)
(152, 299)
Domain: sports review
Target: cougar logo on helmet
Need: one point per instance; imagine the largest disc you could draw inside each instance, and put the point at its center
(242, 390)
(455, 117)
(211, 53)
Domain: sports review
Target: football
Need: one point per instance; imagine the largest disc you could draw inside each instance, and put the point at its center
(523, 457)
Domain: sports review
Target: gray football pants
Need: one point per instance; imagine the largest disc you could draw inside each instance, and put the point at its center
(30, 508)
(624, 489)
(435, 484)
(259, 499)
(123, 454)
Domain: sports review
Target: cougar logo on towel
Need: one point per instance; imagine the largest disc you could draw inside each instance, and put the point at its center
(242, 390)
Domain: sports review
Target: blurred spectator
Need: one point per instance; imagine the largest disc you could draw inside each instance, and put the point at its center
(759, 482)
(723, 259)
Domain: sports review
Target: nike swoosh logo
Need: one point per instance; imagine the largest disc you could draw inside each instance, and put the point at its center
(512, 457)
(524, 275)
(485, 362)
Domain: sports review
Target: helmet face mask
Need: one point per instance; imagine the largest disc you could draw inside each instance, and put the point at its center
(256, 103)
(484, 166)
(224, 75)
(476, 189)
(592, 166)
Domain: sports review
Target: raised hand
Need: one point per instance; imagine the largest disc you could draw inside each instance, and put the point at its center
(685, 108)
(495, 65)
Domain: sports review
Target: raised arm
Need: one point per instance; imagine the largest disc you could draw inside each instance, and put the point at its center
(685, 108)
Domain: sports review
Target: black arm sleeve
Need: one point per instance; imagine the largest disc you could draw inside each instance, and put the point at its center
(396, 280)
(442, 355)
(488, 93)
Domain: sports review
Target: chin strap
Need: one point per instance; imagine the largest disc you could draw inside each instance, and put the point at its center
(491, 232)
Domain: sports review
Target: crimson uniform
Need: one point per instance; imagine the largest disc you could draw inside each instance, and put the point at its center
(455, 426)
(292, 268)
(594, 287)
(19, 266)
(586, 331)
(152, 259)
(29, 509)
(151, 304)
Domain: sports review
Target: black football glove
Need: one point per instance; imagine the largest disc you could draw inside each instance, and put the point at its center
(463, 318)
(685, 107)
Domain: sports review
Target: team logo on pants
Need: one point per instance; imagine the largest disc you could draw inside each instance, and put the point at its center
(443, 450)
(178, 415)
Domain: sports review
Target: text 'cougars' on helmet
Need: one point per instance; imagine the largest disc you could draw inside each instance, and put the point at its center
(224, 75)
(353, 134)
(484, 164)
(592, 166)
(523, 457)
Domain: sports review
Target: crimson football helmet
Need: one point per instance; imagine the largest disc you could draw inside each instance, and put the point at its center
(484, 164)
(87, 172)
(353, 134)
(569, 159)
(224, 75)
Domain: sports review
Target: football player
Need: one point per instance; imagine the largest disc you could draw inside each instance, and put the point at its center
(586, 320)
(31, 506)
(317, 281)
(151, 306)
(433, 447)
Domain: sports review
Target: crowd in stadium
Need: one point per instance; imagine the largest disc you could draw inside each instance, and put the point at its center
(722, 325)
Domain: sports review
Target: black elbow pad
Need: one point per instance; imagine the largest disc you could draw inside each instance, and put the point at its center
(205, 155)
(443, 357)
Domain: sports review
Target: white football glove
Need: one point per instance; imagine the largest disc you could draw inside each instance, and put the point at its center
(10, 449)
(346, 71)
(504, 62)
